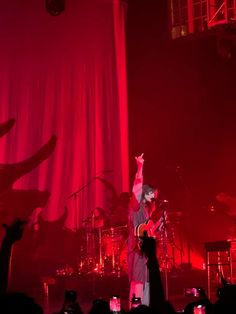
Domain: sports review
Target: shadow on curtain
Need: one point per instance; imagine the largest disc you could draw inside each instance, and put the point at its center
(66, 75)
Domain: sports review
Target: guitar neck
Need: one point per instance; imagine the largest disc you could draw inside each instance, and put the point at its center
(155, 226)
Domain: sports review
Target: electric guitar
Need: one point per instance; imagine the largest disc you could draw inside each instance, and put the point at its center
(148, 229)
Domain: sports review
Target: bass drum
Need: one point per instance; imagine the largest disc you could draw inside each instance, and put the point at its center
(111, 245)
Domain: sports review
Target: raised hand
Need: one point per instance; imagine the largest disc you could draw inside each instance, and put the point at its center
(139, 160)
(148, 246)
(14, 232)
(21, 203)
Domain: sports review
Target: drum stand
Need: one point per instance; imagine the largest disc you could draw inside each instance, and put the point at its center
(113, 260)
(164, 239)
(95, 262)
(101, 261)
(111, 246)
(166, 269)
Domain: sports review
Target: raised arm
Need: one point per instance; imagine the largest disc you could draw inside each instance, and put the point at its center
(138, 181)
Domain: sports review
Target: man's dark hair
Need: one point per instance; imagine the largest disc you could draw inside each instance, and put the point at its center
(148, 189)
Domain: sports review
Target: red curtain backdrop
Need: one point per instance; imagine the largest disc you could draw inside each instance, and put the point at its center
(66, 75)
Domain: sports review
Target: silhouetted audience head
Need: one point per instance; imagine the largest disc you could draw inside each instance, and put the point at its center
(100, 306)
(141, 309)
(70, 305)
(226, 303)
(18, 303)
(168, 308)
(201, 303)
(228, 293)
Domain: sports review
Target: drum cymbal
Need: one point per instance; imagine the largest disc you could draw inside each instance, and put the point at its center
(96, 220)
(115, 228)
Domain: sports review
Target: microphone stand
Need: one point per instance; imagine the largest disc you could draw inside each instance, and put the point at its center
(97, 176)
(75, 195)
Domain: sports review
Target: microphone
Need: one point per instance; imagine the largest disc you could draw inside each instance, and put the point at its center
(154, 199)
(163, 203)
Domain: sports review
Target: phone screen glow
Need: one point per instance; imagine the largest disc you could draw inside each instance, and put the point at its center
(115, 304)
(199, 309)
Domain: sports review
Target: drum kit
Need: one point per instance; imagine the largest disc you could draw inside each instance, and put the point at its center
(103, 247)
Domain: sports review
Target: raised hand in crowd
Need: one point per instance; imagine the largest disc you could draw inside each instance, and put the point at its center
(148, 247)
(14, 232)
(157, 294)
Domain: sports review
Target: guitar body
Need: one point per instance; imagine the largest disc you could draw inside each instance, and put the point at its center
(147, 229)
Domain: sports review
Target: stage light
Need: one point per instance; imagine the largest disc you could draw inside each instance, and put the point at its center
(55, 7)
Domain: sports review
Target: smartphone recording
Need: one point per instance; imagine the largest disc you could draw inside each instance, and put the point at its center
(199, 309)
(114, 303)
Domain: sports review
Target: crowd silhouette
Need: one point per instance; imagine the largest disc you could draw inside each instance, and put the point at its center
(17, 302)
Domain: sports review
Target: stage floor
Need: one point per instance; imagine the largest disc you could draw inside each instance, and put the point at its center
(50, 291)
